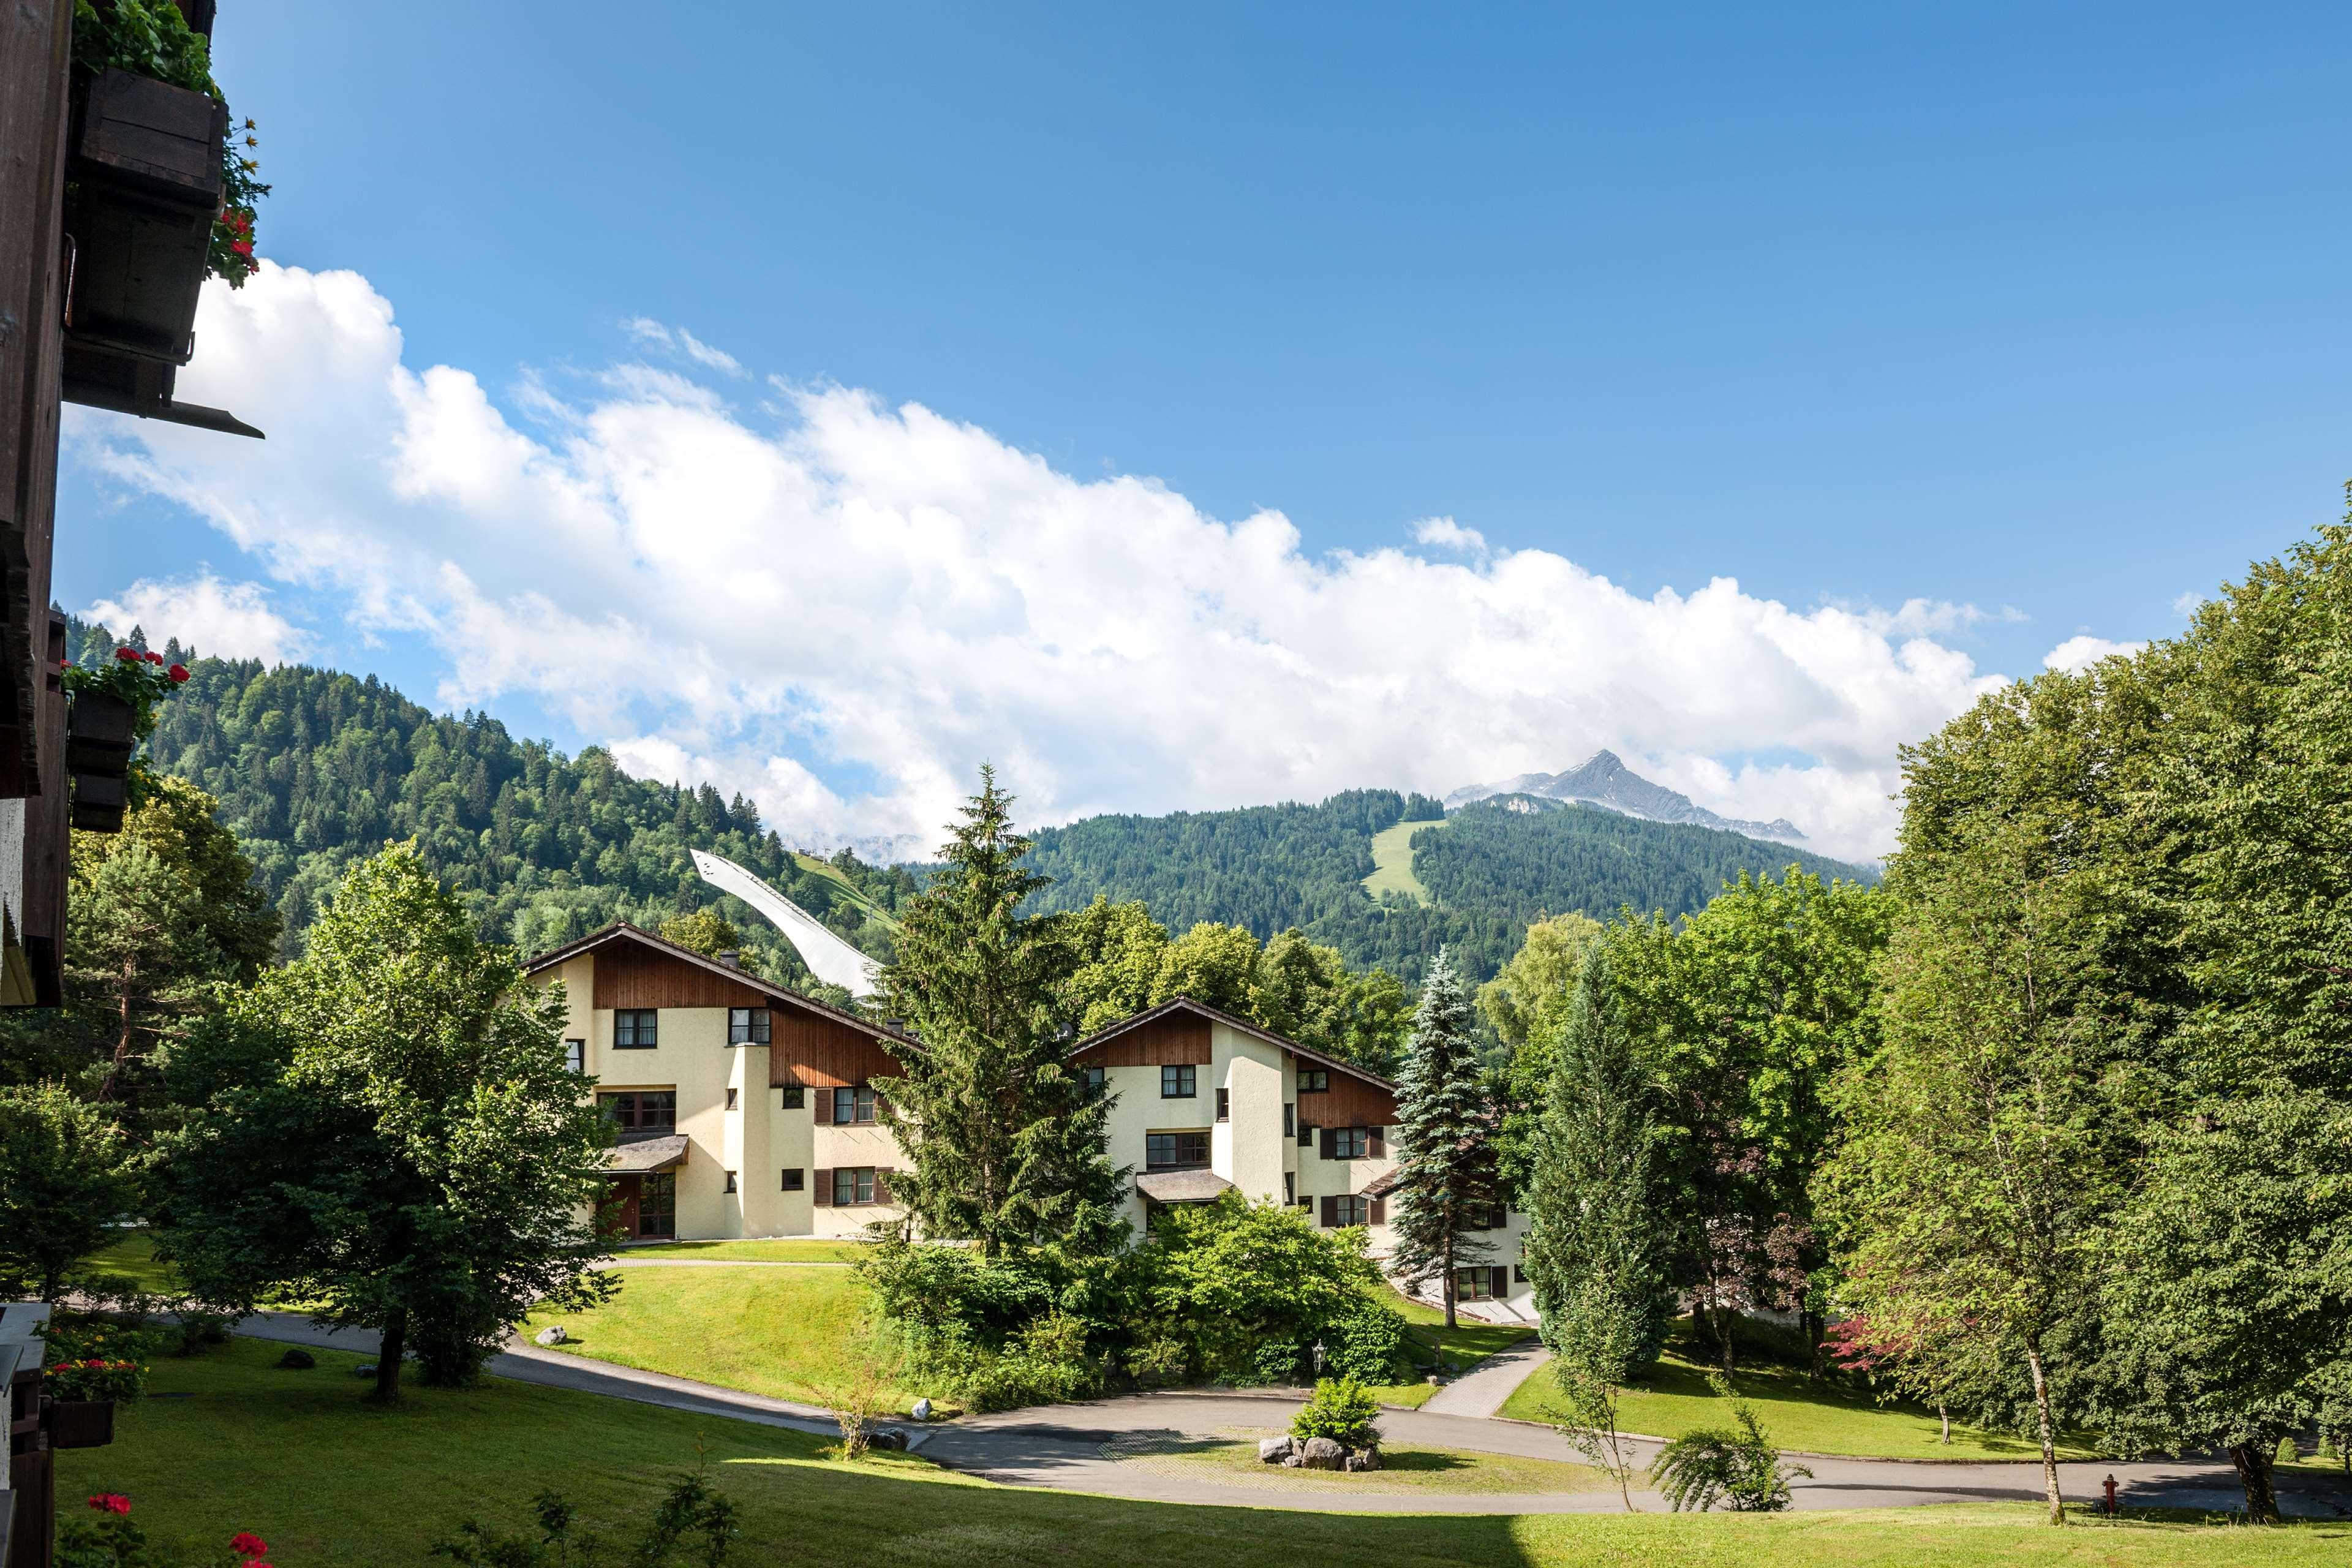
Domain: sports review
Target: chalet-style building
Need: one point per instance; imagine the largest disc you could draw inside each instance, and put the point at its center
(748, 1110)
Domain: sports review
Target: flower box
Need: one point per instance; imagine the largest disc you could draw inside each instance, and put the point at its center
(146, 188)
(80, 1423)
(99, 734)
(100, 801)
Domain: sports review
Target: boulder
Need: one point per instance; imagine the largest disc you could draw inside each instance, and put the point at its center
(298, 1359)
(365, 1369)
(922, 1410)
(1367, 1458)
(886, 1437)
(1272, 1450)
(1292, 1461)
(1323, 1454)
(552, 1334)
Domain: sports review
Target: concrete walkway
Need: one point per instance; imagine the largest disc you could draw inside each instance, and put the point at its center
(1482, 1390)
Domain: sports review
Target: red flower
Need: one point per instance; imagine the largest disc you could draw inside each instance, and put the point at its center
(244, 1543)
(242, 246)
(178, 673)
(127, 655)
(154, 659)
(111, 1503)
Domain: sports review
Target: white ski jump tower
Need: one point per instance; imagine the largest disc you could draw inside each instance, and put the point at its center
(828, 957)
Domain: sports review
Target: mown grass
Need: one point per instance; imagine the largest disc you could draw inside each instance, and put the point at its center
(1457, 1349)
(133, 1257)
(1392, 862)
(1234, 1462)
(298, 1458)
(789, 1250)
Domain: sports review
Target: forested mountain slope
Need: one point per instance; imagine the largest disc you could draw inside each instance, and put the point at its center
(1489, 870)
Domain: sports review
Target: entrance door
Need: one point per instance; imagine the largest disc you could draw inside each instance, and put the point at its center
(657, 1207)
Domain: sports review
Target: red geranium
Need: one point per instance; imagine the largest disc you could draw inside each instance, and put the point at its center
(154, 659)
(178, 672)
(127, 655)
(111, 1503)
(244, 1543)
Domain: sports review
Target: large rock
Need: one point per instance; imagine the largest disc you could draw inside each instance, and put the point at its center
(922, 1410)
(1364, 1460)
(552, 1334)
(1323, 1454)
(1272, 1450)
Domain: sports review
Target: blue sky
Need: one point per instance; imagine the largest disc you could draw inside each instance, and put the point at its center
(2033, 311)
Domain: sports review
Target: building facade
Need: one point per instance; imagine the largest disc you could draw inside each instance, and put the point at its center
(746, 1109)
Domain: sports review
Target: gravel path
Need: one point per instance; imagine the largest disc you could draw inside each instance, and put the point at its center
(1482, 1390)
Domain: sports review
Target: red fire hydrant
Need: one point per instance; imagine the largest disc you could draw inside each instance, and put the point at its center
(2111, 1496)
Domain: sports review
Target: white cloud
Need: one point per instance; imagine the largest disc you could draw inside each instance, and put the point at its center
(842, 591)
(1447, 534)
(646, 330)
(231, 620)
(2078, 653)
(2188, 604)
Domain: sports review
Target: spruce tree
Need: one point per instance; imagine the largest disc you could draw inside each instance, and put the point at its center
(1446, 1185)
(1594, 1251)
(1007, 1142)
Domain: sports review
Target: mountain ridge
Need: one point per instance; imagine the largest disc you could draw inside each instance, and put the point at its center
(1603, 779)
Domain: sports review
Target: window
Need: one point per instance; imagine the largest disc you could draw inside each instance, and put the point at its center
(1178, 1082)
(658, 1204)
(1518, 1274)
(854, 1105)
(1224, 1105)
(1175, 1151)
(575, 1056)
(1483, 1283)
(1314, 1081)
(635, 1029)
(1095, 1078)
(730, 1100)
(1306, 1134)
(1351, 1142)
(796, 1178)
(1289, 1186)
(1488, 1216)
(1307, 1203)
(731, 1182)
(747, 1026)
(853, 1185)
(1350, 1211)
(642, 1113)
(795, 1098)
(1290, 1119)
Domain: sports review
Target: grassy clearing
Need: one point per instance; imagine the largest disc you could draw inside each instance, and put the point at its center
(1234, 1462)
(133, 1257)
(324, 1479)
(788, 1251)
(832, 873)
(1818, 1418)
(788, 1333)
(1392, 862)
(1458, 1348)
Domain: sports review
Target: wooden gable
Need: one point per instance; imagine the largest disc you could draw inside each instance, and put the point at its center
(629, 974)
(1350, 1101)
(1174, 1040)
(810, 1051)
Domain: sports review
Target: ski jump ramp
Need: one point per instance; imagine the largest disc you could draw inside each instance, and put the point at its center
(828, 957)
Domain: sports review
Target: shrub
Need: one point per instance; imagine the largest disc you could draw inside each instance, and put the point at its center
(1366, 1342)
(1157, 1359)
(1044, 1363)
(1229, 1275)
(692, 1508)
(2287, 1452)
(1736, 1466)
(1277, 1362)
(1340, 1411)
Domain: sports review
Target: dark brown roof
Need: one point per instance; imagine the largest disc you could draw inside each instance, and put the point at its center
(1255, 1031)
(622, 930)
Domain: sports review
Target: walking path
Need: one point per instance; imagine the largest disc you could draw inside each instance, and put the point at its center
(1482, 1391)
(1064, 1447)
(717, 1263)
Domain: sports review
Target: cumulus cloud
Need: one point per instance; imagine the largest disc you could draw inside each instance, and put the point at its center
(232, 620)
(2081, 652)
(843, 608)
(1447, 534)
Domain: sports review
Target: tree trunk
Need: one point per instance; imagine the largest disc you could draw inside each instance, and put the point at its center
(1811, 1322)
(394, 1343)
(2253, 1462)
(1448, 1287)
(1945, 1417)
(2048, 1442)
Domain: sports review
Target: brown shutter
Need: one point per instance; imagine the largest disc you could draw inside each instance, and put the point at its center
(1330, 1212)
(1380, 1143)
(1380, 1211)
(881, 1184)
(823, 1189)
(1501, 1286)
(1331, 1150)
(824, 1106)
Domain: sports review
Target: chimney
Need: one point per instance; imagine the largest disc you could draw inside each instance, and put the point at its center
(733, 958)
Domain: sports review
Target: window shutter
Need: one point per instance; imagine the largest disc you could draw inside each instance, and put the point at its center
(823, 1188)
(1330, 1212)
(881, 1184)
(1380, 1143)
(1380, 1211)
(1331, 1144)
(1501, 1287)
(824, 1107)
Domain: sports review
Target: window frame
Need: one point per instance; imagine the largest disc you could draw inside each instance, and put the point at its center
(794, 1179)
(1314, 1081)
(1351, 1142)
(757, 1027)
(851, 1174)
(1179, 1140)
(791, 1096)
(1096, 1079)
(575, 1056)
(862, 1098)
(730, 1183)
(636, 1029)
(1224, 1105)
(1183, 1073)
(1352, 1209)
(636, 1129)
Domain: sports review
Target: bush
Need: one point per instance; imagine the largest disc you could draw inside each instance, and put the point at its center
(1340, 1411)
(1158, 1361)
(2287, 1452)
(1278, 1361)
(1044, 1363)
(1735, 1467)
(1367, 1343)
(1229, 1276)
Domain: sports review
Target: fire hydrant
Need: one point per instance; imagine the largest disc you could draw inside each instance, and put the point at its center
(2111, 1496)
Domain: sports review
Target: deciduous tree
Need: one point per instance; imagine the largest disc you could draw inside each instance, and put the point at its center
(67, 1175)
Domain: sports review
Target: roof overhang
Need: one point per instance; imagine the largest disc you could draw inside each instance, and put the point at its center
(1175, 1004)
(648, 1155)
(621, 932)
(1182, 1186)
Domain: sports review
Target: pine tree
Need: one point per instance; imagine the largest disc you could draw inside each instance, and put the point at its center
(1446, 1184)
(1008, 1144)
(1593, 1251)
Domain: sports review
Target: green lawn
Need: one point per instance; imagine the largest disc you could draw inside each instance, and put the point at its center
(299, 1459)
(784, 1332)
(1797, 1413)
(1234, 1462)
(790, 1251)
(1463, 1346)
(1392, 862)
(134, 1258)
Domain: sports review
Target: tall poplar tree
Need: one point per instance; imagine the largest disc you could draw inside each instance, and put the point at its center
(1594, 1251)
(1447, 1186)
(1008, 1144)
